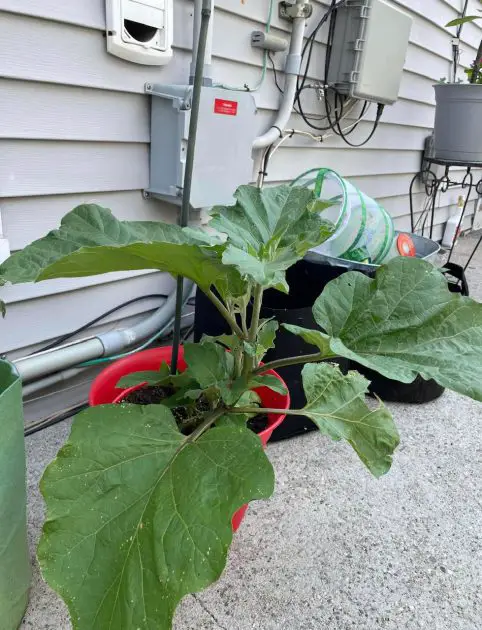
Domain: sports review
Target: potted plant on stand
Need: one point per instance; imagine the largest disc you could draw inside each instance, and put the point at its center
(457, 130)
(140, 500)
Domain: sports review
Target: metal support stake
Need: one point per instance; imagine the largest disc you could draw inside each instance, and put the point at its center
(191, 148)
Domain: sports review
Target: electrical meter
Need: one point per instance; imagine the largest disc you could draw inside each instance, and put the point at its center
(140, 30)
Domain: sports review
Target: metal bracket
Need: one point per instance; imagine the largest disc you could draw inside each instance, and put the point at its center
(290, 11)
(181, 102)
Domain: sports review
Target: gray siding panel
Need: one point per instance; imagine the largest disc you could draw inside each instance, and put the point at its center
(73, 56)
(88, 13)
(32, 110)
(47, 168)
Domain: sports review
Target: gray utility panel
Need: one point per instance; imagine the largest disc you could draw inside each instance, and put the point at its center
(370, 42)
(227, 128)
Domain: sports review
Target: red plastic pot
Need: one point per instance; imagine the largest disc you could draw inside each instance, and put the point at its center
(104, 391)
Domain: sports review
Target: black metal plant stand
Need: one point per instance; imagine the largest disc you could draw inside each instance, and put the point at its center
(435, 184)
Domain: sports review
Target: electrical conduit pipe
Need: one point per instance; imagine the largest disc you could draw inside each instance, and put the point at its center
(40, 365)
(292, 70)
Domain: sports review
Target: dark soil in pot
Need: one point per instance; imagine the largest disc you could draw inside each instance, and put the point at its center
(155, 395)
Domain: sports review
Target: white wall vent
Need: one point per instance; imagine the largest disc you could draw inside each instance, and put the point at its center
(140, 30)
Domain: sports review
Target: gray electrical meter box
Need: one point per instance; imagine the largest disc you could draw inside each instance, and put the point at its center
(370, 43)
(226, 130)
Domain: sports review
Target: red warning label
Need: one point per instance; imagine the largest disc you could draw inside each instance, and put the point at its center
(228, 108)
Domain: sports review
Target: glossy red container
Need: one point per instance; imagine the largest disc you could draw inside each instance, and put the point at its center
(104, 391)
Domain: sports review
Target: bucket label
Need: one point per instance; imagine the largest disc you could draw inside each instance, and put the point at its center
(228, 108)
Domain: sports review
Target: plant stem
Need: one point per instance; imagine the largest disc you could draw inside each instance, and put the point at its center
(248, 361)
(279, 363)
(258, 300)
(225, 313)
(244, 320)
(257, 410)
(477, 64)
(238, 361)
(210, 420)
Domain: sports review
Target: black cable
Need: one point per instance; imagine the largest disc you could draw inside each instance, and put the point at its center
(380, 109)
(334, 115)
(275, 72)
(69, 335)
(54, 419)
(188, 332)
(308, 47)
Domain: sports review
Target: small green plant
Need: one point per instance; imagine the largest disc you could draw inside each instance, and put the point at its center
(474, 73)
(139, 505)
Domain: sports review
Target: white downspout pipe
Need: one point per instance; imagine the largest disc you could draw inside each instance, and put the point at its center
(207, 74)
(292, 69)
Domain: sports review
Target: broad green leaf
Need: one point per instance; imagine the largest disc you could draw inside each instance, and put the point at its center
(266, 338)
(464, 20)
(264, 272)
(91, 241)
(228, 341)
(405, 322)
(209, 364)
(248, 399)
(314, 337)
(138, 515)
(267, 380)
(336, 404)
(139, 378)
(268, 230)
(3, 309)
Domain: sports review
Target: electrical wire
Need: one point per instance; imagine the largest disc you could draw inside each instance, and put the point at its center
(57, 391)
(69, 412)
(380, 108)
(342, 105)
(96, 320)
(54, 419)
(245, 87)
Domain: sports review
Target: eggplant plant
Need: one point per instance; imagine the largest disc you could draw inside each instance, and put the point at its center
(138, 508)
(474, 73)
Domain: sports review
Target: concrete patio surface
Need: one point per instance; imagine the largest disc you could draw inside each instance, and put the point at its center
(335, 549)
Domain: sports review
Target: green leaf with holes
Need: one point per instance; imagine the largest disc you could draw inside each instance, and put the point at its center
(147, 377)
(403, 323)
(138, 515)
(314, 337)
(336, 404)
(91, 241)
(268, 230)
(208, 363)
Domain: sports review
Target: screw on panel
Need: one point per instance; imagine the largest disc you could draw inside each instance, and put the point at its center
(148, 87)
(146, 194)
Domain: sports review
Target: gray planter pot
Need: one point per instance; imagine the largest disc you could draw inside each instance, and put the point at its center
(458, 123)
